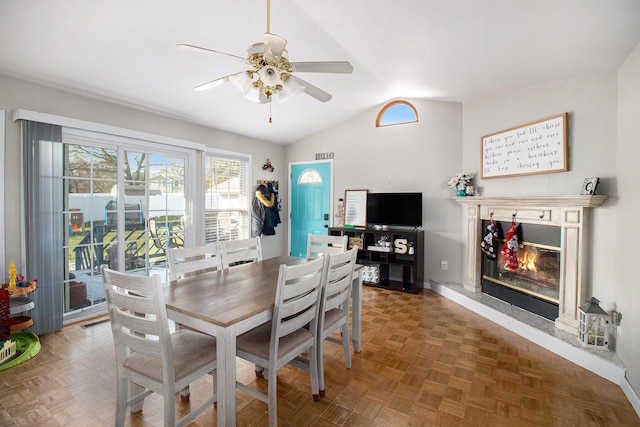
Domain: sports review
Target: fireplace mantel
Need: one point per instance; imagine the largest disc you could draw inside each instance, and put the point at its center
(534, 201)
(570, 213)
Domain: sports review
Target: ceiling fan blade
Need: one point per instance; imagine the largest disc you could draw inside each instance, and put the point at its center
(273, 47)
(342, 67)
(217, 82)
(205, 50)
(312, 90)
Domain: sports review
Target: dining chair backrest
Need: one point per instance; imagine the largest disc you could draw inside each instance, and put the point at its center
(138, 316)
(334, 307)
(148, 355)
(339, 279)
(188, 261)
(292, 331)
(236, 252)
(297, 298)
(318, 245)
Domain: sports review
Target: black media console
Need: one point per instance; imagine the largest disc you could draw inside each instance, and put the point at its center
(399, 266)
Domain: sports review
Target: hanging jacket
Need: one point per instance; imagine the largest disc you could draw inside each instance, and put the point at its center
(276, 208)
(262, 218)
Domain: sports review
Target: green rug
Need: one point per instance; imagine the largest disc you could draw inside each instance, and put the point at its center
(27, 346)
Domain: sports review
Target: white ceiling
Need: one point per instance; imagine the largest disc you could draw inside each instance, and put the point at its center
(125, 51)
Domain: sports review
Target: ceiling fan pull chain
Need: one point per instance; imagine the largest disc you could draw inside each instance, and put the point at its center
(270, 121)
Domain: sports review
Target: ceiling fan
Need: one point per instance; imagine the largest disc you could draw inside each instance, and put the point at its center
(271, 74)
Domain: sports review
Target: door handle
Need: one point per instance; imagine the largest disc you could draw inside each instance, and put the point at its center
(326, 226)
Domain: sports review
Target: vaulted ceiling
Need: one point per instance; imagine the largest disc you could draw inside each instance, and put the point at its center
(124, 51)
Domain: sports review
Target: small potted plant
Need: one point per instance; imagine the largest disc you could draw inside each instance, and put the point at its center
(460, 181)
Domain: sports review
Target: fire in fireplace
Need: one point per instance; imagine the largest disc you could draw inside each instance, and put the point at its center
(534, 285)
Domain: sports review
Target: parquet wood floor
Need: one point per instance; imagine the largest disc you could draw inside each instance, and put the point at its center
(426, 361)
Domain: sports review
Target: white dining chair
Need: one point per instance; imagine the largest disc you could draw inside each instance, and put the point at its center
(188, 261)
(283, 339)
(318, 245)
(334, 308)
(150, 359)
(235, 252)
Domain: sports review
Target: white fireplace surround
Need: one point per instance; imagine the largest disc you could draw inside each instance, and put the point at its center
(570, 213)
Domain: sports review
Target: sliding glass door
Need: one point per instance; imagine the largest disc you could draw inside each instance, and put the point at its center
(124, 206)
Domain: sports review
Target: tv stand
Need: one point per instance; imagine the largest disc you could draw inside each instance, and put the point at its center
(393, 267)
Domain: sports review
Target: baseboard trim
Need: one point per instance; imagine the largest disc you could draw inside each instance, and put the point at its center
(631, 394)
(85, 314)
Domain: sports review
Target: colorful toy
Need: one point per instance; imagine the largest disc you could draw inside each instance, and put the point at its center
(12, 276)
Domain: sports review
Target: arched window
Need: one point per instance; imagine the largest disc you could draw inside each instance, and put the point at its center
(310, 176)
(397, 112)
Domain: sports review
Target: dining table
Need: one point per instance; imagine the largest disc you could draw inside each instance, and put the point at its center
(229, 302)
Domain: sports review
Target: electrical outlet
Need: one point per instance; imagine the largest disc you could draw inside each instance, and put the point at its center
(616, 318)
(444, 265)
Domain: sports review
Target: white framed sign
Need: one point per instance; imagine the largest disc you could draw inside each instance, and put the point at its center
(355, 207)
(533, 148)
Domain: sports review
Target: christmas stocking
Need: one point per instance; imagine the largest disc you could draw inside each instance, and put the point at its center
(487, 246)
(510, 248)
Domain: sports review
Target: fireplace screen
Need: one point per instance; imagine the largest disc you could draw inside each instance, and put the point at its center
(534, 285)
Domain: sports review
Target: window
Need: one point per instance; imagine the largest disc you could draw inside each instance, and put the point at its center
(226, 197)
(310, 176)
(397, 112)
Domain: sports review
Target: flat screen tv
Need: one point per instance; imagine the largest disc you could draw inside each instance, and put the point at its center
(399, 209)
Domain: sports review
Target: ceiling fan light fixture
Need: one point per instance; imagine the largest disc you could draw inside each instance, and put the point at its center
(290, 89)
(254, 96)
(270, 76)
(242, 81)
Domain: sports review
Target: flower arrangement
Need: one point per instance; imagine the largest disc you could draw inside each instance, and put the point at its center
(460, 181)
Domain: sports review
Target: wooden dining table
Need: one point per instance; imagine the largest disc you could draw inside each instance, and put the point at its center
(229, 302)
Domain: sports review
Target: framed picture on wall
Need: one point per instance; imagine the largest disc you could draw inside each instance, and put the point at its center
(355, 207)
(536, 147)
(589, 186)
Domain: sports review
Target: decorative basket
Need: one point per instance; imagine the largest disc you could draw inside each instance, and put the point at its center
(357, 242)
(371, 273)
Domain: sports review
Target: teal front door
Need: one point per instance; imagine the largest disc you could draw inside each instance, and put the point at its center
(310, 202)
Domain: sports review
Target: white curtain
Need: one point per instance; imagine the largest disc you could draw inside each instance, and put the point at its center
(43, 164)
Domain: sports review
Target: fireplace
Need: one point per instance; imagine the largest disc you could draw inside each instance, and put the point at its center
(535, 284)
(569, 215)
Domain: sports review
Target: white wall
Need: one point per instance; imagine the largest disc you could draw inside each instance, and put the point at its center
(627, 233)
(416, 157)
(17, 94)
